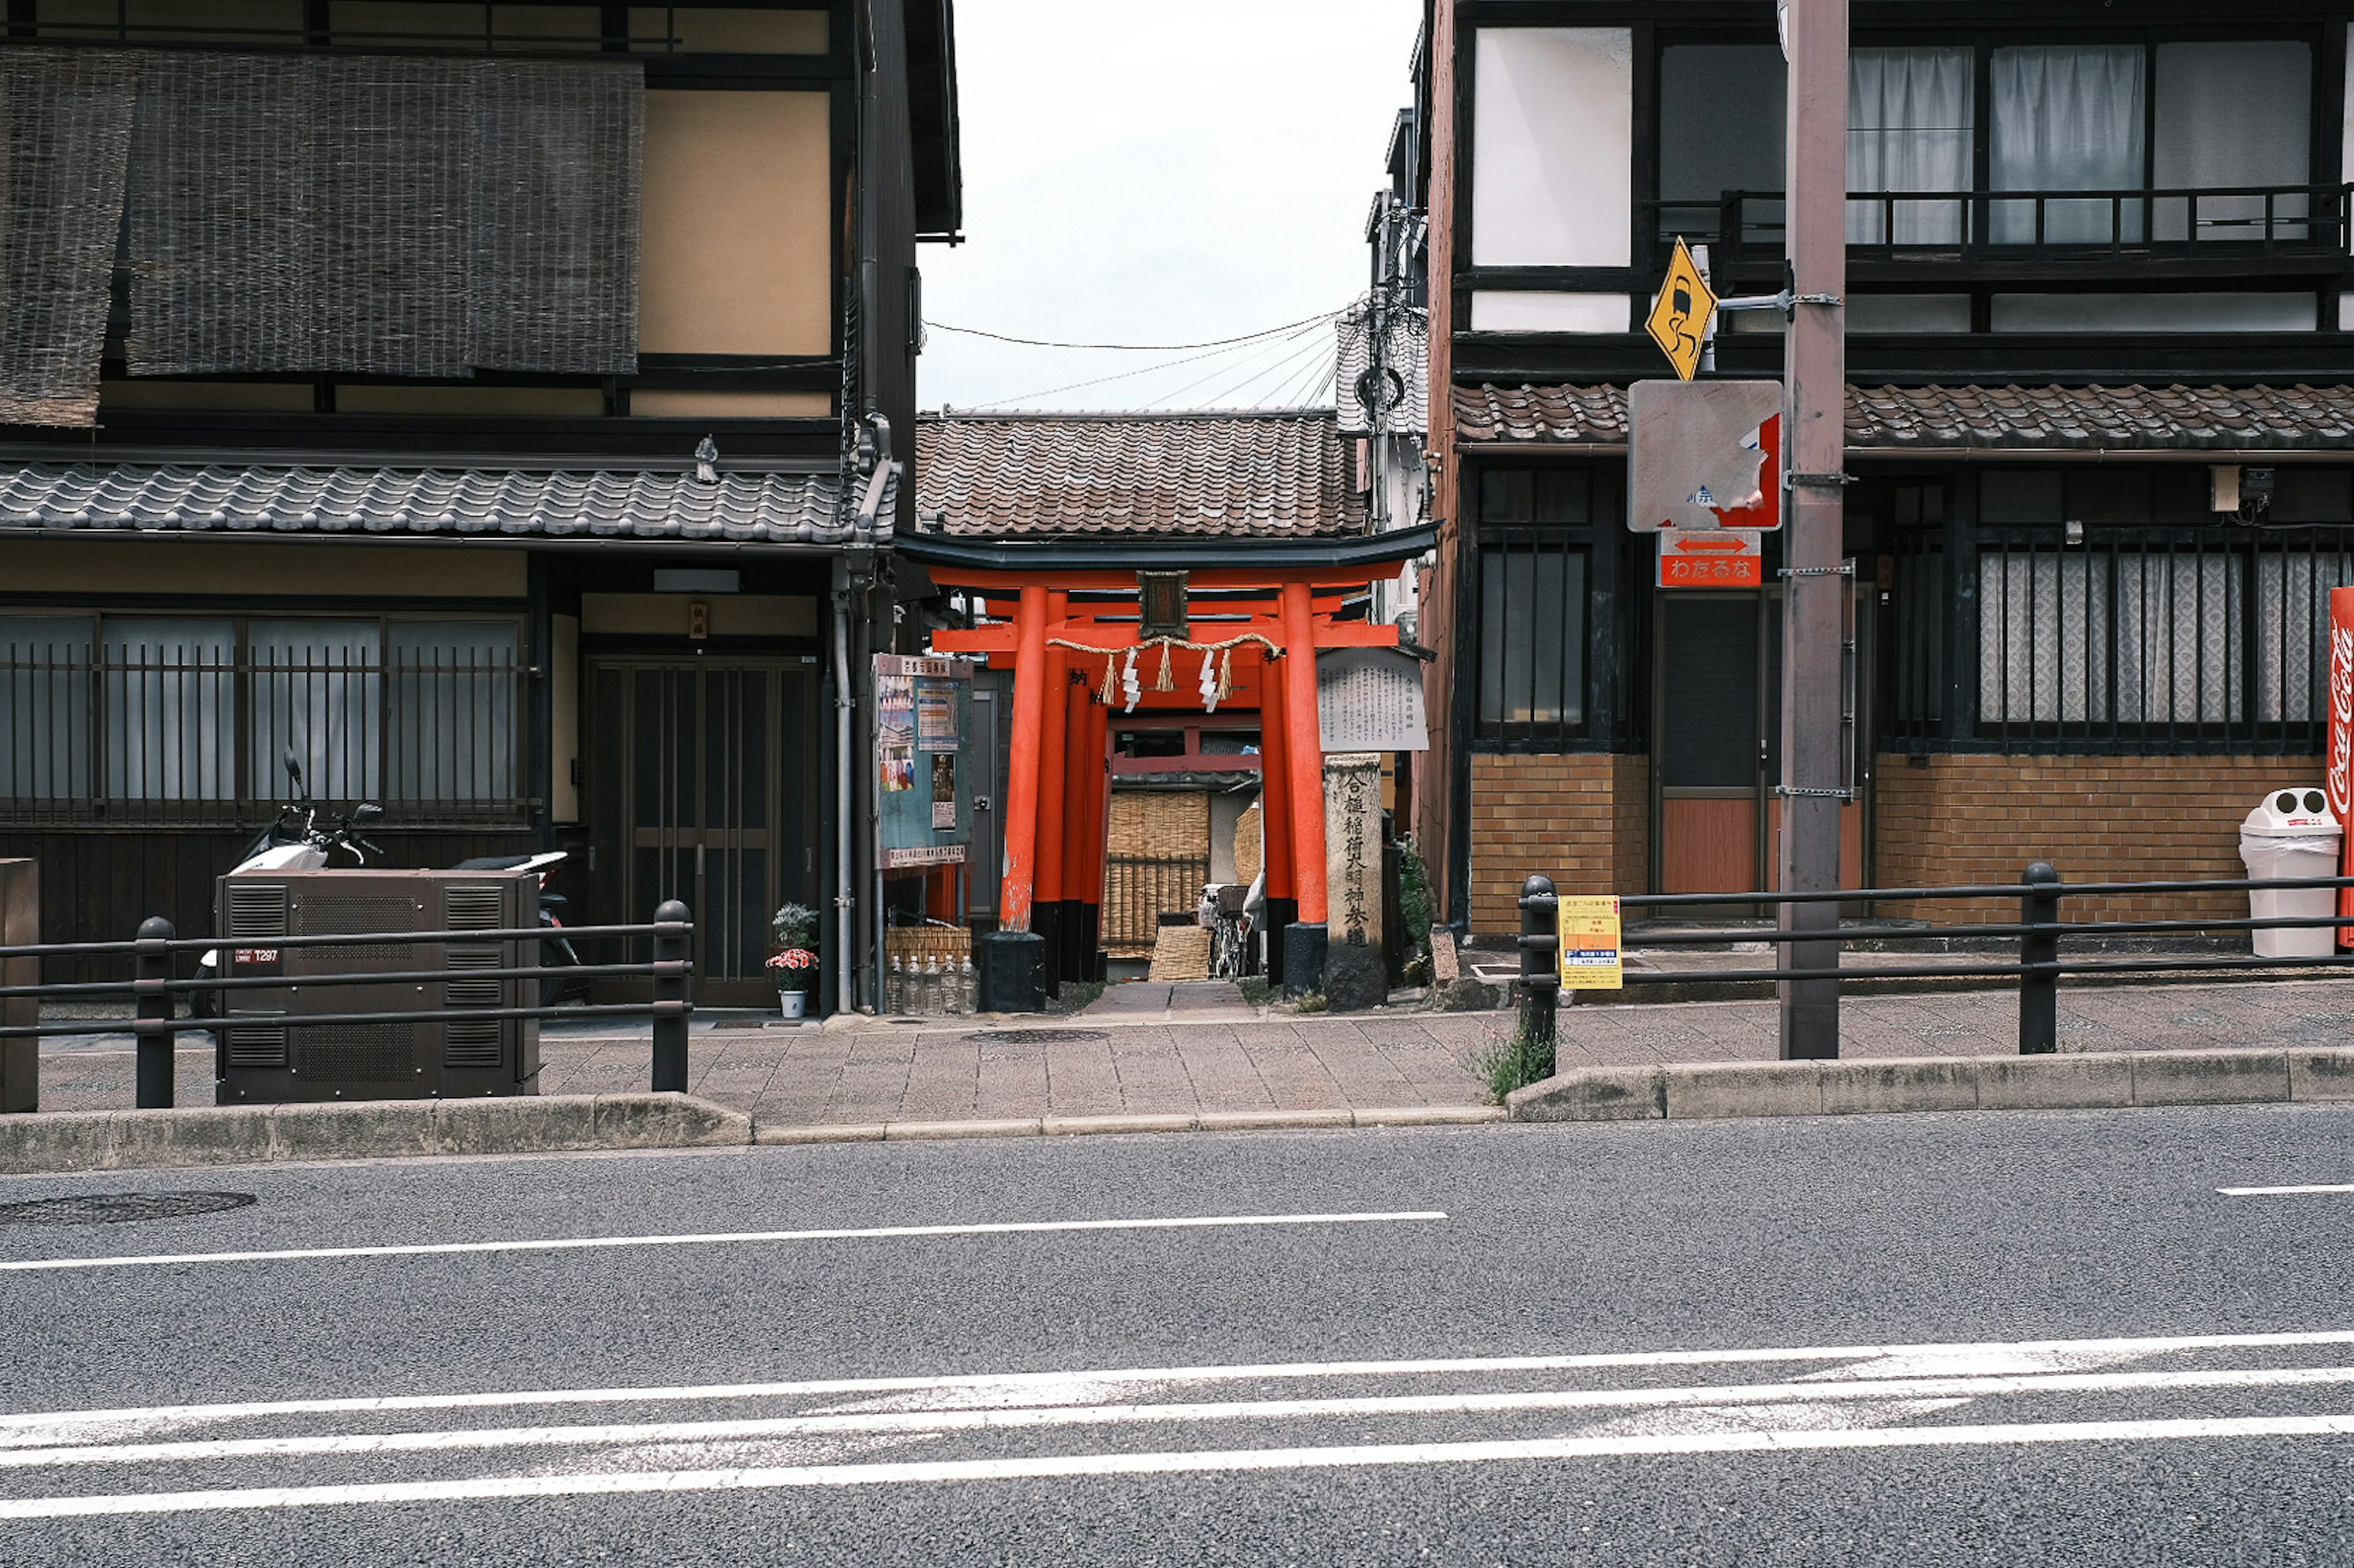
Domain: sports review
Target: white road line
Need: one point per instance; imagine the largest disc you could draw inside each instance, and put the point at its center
(572, 1243)
(935, 1422)
(1014, 1382)
(2281, 1192)
(1065, 1465)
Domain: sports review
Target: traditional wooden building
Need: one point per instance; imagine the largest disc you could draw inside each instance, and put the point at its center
(500, 405)
(2103, 396)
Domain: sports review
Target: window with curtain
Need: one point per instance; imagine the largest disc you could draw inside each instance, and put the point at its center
(452, 736)
(45, 708)
(2067, 118)
(2153, 624)
(167, 719)
(168, 724)
(1911, 117)
(317, 691)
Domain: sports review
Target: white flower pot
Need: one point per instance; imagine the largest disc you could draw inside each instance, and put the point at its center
(794, 1003)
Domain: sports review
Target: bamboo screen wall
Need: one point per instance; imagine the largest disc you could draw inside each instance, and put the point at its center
(68, 127)
(372, 215)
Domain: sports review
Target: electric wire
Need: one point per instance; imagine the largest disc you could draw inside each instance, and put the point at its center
(1130, 347)
(1244, 391)
(1283, 350)
(1322, 375)
(1295, 328)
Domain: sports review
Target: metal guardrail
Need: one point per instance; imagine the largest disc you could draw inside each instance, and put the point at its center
(2039, 931)
(155, 1025)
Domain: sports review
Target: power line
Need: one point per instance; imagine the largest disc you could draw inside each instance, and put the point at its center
(1149, 369)
(1283, 352)
(1130, 347)
(1282, 373)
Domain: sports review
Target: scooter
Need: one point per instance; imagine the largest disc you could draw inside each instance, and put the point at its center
(298, 839)
(555, 948)
(302, 838)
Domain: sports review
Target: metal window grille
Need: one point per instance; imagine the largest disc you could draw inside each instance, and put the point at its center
(181, 721)
(1533, 631)
(2130, 639)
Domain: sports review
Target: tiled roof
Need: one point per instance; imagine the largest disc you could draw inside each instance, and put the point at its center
(776, 508)
(2024, 418)
(1282, 474)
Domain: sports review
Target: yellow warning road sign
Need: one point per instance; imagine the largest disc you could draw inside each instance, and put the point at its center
(1680, 317)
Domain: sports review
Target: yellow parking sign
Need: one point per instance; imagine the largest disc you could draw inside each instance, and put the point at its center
(1680, 317)
(1589, 945)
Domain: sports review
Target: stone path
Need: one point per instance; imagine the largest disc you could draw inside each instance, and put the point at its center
(1147, 1048)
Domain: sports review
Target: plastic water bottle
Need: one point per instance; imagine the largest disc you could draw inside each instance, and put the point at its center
(930, 1000)
(894, 994)
(968, 987)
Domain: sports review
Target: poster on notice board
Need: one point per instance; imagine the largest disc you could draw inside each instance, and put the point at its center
(923, 712)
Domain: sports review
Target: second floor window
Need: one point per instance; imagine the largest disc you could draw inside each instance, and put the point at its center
(2230, 120)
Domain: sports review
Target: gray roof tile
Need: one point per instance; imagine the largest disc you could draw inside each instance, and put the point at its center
(777, 508)
(2024, 418)
(1283, 473)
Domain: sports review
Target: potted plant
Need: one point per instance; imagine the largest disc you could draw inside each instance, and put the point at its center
(794, 963)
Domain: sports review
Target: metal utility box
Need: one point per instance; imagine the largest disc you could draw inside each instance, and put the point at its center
(267, 1056)
(20, 926)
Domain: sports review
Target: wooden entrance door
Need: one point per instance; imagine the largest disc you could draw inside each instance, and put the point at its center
(1711, 753)
(1716, 747)
(699, 790)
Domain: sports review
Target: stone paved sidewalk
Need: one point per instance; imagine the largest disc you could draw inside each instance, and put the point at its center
(1153, 1049)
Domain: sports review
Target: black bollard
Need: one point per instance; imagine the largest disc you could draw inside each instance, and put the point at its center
(2038, 992)
(151, 1007)
(673, 950)
(1540, 974)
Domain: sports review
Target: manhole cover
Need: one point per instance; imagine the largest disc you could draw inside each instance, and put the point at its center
(116, 1208)
(1036, 1036)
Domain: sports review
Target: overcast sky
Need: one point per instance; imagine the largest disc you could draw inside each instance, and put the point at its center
(1160, 174)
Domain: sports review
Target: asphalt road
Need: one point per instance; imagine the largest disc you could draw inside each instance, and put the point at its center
(2023, 1339)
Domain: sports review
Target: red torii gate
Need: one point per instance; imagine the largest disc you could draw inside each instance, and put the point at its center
(1053, 833)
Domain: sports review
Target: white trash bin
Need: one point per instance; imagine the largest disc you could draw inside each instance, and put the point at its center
(2291, 834)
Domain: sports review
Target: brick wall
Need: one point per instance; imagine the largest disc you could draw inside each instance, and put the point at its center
(1581, 818)
(1981, 818)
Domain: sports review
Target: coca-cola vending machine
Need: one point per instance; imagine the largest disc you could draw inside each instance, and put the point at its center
(2341, 758)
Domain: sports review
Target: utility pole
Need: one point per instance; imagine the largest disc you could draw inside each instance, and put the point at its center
(1815, 586)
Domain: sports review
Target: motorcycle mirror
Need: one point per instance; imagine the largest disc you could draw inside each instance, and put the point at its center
(371, 813)
(293, 765)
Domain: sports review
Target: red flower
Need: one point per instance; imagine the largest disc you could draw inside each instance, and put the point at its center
(793, 958)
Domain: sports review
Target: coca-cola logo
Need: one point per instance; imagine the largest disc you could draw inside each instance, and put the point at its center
(2341, 715)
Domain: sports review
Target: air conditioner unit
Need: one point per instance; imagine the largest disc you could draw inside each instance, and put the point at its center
(268, 1055)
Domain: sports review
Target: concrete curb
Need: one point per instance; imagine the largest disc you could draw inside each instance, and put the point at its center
(2085, 1081)
(1089, 1125)
(258, 1135)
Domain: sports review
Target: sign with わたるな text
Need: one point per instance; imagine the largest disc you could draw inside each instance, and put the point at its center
(1689, 557)
(1589, 945)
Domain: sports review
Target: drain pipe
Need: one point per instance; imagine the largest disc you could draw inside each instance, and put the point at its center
(844, 870)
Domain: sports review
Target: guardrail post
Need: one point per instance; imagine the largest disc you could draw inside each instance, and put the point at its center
(672, 943)
(152, 1013)
(1539, 970)
(2038, 992)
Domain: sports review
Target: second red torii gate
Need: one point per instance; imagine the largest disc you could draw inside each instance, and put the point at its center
(1047, 635)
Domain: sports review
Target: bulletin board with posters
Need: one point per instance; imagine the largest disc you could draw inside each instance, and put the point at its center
(923, 796)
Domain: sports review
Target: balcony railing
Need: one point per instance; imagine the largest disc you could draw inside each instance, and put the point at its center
(2214, 223)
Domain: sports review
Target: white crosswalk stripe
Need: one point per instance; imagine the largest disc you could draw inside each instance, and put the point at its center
(1288, 1415)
